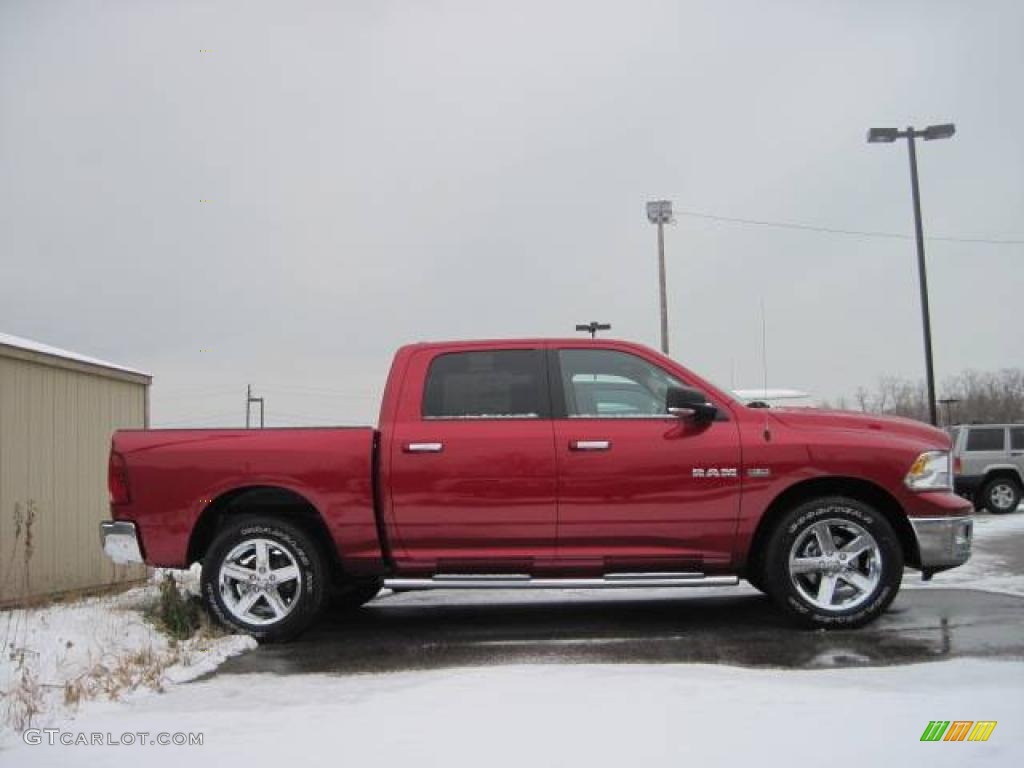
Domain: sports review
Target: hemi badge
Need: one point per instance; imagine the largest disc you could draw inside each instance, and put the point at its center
(759, 472)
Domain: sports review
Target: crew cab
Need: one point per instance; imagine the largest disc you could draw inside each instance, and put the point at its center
(542, 464)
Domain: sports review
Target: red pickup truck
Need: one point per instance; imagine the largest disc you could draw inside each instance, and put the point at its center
(542, 463)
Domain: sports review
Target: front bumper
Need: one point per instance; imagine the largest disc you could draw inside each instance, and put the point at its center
(943, 542)
(120, 540)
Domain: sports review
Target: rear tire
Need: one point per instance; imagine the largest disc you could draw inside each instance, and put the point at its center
(833, 562)
(1000, 496)
(265, 578)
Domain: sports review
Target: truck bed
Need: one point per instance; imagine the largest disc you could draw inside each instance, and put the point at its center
(174, 474)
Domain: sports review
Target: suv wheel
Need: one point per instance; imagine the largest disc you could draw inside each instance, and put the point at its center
(263, 577)
(1001, 495)
(833, 562)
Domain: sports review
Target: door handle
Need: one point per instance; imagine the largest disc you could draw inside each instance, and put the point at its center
(590, 445)
(423, 447)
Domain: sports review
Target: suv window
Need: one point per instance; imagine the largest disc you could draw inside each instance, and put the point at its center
(1017, 439)
(490, 384)
(986, 439)
(601, 383)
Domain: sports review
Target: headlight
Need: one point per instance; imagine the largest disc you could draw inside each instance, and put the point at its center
(930, 472)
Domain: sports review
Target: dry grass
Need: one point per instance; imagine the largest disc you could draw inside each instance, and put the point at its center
(24, 701)
(143, 668)
(177, 615)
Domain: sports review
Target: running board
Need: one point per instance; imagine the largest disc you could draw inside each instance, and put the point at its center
(525, 581)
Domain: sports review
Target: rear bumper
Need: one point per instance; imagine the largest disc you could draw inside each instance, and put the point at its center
(943, 542)
(120, 541)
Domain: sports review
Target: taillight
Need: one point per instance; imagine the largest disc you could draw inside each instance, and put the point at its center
(117, 479)
(958, 466)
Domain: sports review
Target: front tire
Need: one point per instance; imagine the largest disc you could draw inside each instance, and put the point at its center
(833, 562)
(351, 595)
(1001, 495)
(265, 578)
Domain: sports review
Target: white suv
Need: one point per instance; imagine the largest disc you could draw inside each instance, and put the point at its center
(988, 464)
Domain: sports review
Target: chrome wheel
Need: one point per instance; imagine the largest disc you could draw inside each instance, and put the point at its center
(835, 565)
(260, 581)
(1002, 496)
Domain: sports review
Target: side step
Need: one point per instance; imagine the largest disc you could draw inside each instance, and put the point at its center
(525, 581)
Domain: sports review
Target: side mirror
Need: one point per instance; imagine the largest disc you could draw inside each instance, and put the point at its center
(689, 403)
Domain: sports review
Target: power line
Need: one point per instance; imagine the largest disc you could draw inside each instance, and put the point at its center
(295, 419)
(313, 392)
(160, 394)
(837, 231)
(197, 419)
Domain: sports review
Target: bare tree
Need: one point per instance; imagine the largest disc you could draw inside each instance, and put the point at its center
(863, 398)
(977, 397)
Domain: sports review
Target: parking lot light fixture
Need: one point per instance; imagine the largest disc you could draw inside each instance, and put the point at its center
(944, 131)
(888, 136)
(593, 327)
(883, 135)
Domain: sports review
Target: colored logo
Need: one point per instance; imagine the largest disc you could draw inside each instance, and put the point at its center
(958, 730)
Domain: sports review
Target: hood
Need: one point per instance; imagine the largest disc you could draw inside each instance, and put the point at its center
(816, 419)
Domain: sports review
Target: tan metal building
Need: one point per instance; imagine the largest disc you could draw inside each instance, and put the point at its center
(58, 410)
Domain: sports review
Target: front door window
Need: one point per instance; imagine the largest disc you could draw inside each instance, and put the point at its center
(600, 383)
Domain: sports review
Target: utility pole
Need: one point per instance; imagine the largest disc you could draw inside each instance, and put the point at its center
(593, 327)
(932, 132)
(249, 400)
(660, 212)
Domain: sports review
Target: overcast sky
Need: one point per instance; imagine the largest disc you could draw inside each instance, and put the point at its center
(384, 172)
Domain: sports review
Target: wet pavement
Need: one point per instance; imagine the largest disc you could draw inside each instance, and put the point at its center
(737, 626)
(419, 631)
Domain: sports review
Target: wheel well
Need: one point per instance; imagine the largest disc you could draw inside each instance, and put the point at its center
(269, 501)
(1006, 472)
(854, 488)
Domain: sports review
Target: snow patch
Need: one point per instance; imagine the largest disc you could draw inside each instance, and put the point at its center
(988, 569)
(56, 657)
(593, 715)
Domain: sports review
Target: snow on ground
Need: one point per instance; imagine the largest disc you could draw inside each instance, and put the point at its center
(557, 715)
(592, 715)
(991, 567)
(52, 658)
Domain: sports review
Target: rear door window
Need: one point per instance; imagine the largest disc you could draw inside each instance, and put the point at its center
(1017, 439)
(986, 439)
(489, 384)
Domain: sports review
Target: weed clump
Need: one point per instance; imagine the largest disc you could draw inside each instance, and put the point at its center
(175, 614)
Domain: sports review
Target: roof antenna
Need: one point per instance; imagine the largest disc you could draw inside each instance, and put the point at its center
(764, 368)
(764, 350)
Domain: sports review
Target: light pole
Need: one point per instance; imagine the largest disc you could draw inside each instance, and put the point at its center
(888, 136)
(660, 212)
